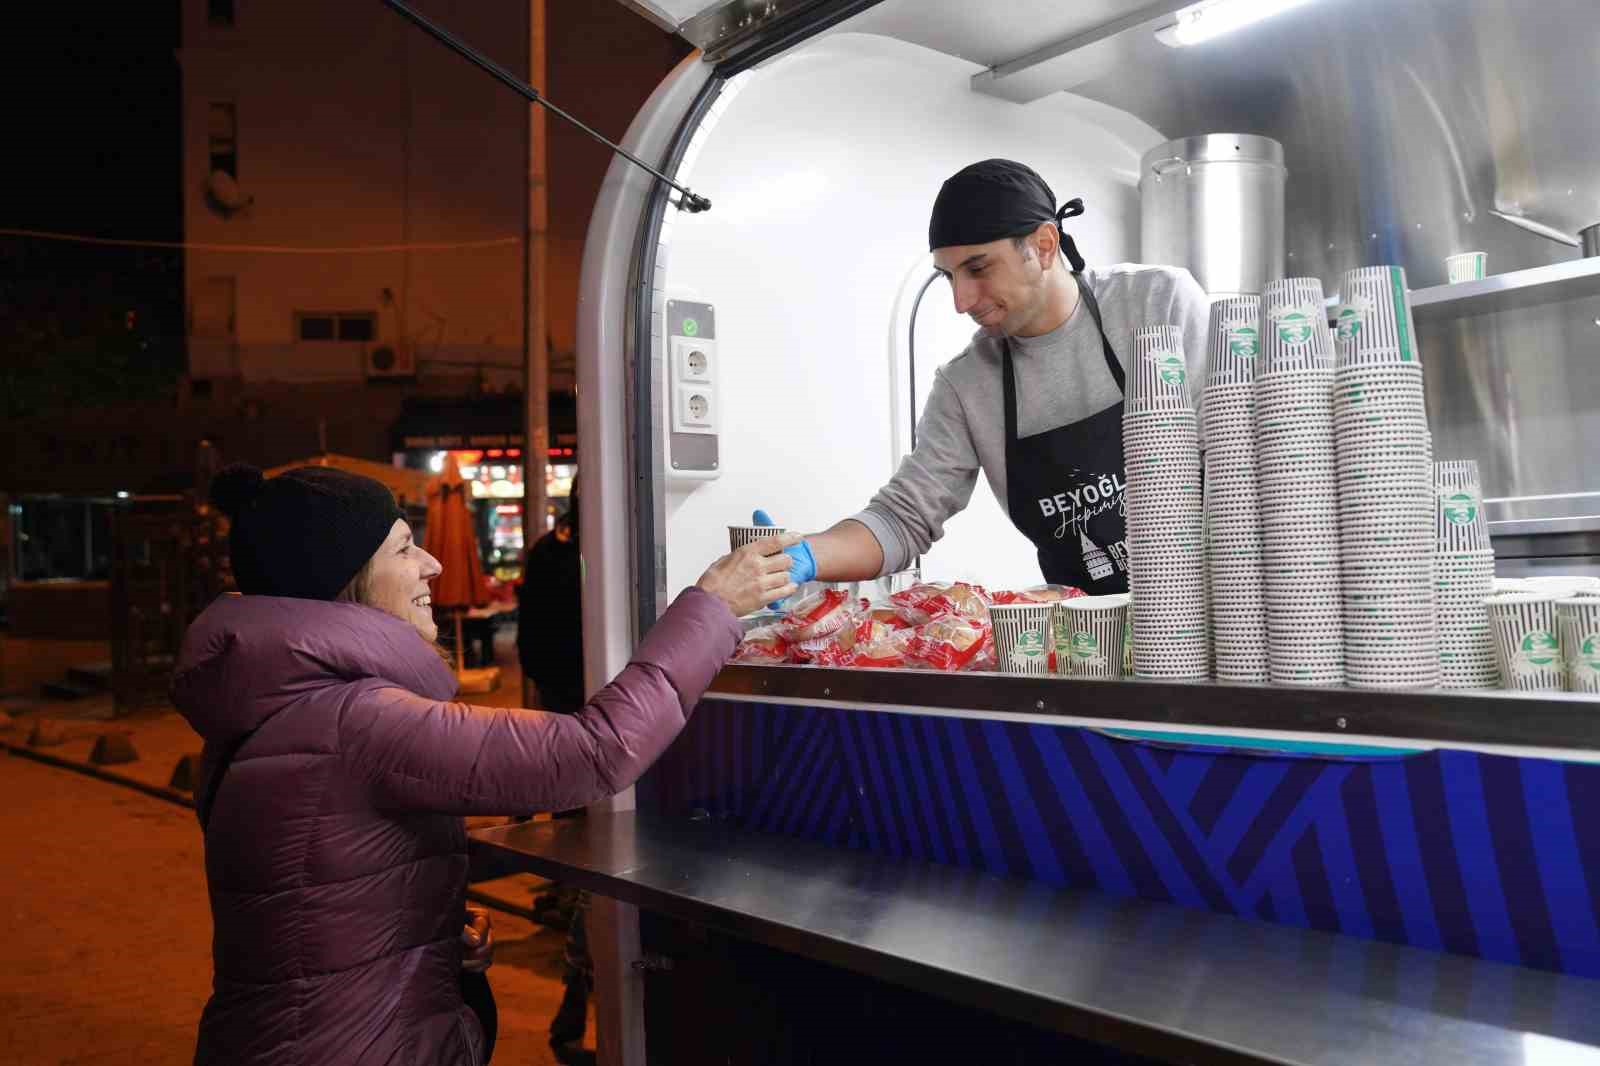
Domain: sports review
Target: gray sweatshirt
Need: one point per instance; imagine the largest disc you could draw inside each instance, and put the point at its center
(1061, 378)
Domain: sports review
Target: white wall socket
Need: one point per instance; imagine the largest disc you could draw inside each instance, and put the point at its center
(694, 360)
(694, 409)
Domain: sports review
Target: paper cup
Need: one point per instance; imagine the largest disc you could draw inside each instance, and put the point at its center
(1233, 341)
(1579, 619)
(1089, 633)
(1294, 326)
(1373, 324)
(1468, 266)
(739, 536)
(1022, 637)
(1159, 377)
(1527, 641)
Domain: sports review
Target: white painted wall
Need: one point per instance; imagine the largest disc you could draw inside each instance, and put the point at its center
(822, 170)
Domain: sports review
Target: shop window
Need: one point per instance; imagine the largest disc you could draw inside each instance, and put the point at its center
(219, 13)
(222, 134)
(355, 326)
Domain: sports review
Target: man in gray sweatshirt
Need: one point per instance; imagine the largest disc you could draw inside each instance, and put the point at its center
(1035, 400)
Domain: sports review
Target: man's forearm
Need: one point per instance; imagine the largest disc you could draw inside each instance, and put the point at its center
(846, 552)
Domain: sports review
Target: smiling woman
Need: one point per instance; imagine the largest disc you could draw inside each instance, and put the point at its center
(338, 766)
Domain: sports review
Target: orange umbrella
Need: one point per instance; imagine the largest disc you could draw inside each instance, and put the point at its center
(451, 540)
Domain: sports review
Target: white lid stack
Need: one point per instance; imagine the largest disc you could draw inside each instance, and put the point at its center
(1165, 512)
(1387, 506)
(1295, 469)
(1464, 578)
(1232, 497)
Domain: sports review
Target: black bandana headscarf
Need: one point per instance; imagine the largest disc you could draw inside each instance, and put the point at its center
(994, 199)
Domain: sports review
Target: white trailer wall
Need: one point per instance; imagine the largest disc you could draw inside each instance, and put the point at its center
(822, 169)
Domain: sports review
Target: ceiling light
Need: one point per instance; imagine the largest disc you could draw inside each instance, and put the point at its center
(1213, 18)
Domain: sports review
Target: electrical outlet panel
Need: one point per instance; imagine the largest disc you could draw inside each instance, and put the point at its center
(693, 398)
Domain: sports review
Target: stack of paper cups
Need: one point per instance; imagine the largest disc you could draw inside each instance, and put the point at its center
(1464, 579)
(1022, 637)
(1527, 641)
(1233, 500)
(1579, 619)
(1296, 480)
(1089, 633)
(1165, 511)
(1387, 507)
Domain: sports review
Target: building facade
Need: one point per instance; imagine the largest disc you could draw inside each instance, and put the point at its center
(354, 194)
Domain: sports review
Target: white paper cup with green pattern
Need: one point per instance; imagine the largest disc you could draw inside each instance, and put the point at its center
(1468, 266)
(1090, 632)
(1579, 619)
(1022, 637)
(1527, 641)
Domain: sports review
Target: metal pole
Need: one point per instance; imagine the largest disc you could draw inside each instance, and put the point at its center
(536, 322)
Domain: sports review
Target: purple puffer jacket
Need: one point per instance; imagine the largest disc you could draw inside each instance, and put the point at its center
(335, 852)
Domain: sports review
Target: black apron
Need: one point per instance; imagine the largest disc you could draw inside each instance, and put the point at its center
(1064, 486)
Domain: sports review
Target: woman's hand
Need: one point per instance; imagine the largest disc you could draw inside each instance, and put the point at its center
(755, 575)
(477, 941)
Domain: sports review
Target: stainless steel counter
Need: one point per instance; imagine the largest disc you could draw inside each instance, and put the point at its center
(1177, 984)
(1564, 723)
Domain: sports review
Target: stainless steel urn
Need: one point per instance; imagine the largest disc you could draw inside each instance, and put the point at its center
(1214, 204)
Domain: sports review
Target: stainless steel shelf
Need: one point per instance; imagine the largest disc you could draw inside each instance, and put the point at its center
(1502, 292)
(1171, 983)
(1559, 721)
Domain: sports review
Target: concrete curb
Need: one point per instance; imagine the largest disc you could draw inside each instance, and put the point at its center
(99, 773)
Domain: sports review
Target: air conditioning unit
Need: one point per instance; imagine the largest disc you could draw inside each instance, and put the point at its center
(390, 361)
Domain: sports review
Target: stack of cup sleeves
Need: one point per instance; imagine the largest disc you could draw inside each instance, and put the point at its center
(1463, 578)
(1237, 584)
(1165, 510)
(1296, 481)
(1387, 506)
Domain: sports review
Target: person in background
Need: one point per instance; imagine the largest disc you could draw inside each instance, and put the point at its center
(338, 767)
(550, 615)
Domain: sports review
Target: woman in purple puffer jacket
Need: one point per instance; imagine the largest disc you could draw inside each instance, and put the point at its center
(337, 770)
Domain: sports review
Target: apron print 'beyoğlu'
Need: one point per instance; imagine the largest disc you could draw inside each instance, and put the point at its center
(1064, 487)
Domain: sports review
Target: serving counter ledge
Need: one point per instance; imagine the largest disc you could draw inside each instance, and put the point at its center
(1559, 723)
(1155, 979)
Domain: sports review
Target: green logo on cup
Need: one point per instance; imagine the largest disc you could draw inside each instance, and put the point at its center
(1540, 647)
(1030, 644)
(1243, 342)
(1294, 327)
(1349, 324)
(1460, 508)
(1085, 646)
(1587, 655)
(1169, 366)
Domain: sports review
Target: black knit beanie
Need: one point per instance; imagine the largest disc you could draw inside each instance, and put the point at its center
(304, 533)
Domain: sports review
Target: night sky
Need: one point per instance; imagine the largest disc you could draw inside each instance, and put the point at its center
(91, 126)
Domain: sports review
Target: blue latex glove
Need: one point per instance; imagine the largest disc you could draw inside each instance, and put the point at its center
(803, 568)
